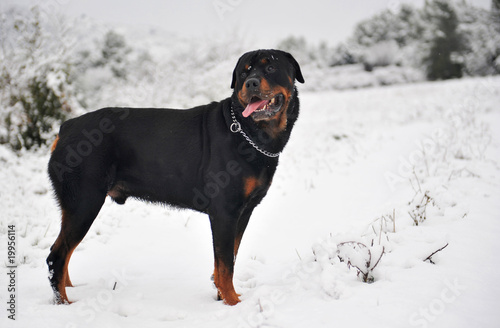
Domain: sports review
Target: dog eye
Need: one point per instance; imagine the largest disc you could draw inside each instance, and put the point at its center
(271, 69)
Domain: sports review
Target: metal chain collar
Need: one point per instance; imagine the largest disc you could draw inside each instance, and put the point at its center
(236, 127)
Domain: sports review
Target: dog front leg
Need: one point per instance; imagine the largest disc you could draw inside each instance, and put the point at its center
(223, 234)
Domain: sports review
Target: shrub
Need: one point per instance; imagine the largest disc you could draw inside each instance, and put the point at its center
(42, 109)
(34, 83)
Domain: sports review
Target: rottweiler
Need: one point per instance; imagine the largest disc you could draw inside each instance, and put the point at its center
(218, 159)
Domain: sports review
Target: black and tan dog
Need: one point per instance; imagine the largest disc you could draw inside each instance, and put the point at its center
(218, 159)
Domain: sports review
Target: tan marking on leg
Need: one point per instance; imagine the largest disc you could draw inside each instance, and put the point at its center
(250, 184)
(223, 279)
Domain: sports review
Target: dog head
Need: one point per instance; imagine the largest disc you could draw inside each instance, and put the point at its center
(263, 83)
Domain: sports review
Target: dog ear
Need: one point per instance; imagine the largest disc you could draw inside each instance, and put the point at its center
(295, 64)
(233, 82)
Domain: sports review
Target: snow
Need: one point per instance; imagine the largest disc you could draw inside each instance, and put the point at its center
(357, 164)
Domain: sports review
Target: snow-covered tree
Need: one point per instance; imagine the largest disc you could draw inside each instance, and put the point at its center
(445, 58)
(445, 38)
(114, 54)
(482, 36)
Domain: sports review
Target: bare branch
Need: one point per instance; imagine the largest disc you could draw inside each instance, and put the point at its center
(381, 254)
(429, 258)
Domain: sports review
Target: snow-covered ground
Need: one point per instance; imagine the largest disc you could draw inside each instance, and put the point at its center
(362, 166)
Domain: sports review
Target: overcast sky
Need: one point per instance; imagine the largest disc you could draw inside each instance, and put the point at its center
(267, 20)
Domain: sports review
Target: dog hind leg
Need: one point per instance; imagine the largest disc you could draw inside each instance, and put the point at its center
(74, 226)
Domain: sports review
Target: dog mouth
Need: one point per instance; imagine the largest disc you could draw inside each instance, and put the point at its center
(263, 108)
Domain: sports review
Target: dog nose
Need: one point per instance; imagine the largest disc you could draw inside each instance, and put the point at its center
(252, 84)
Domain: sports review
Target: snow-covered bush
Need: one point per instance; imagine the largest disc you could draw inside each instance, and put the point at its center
(381, 54)
(355, 77)
(35, 92)
(360, 256)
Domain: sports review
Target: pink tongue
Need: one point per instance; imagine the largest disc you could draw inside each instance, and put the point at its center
(252, 107)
